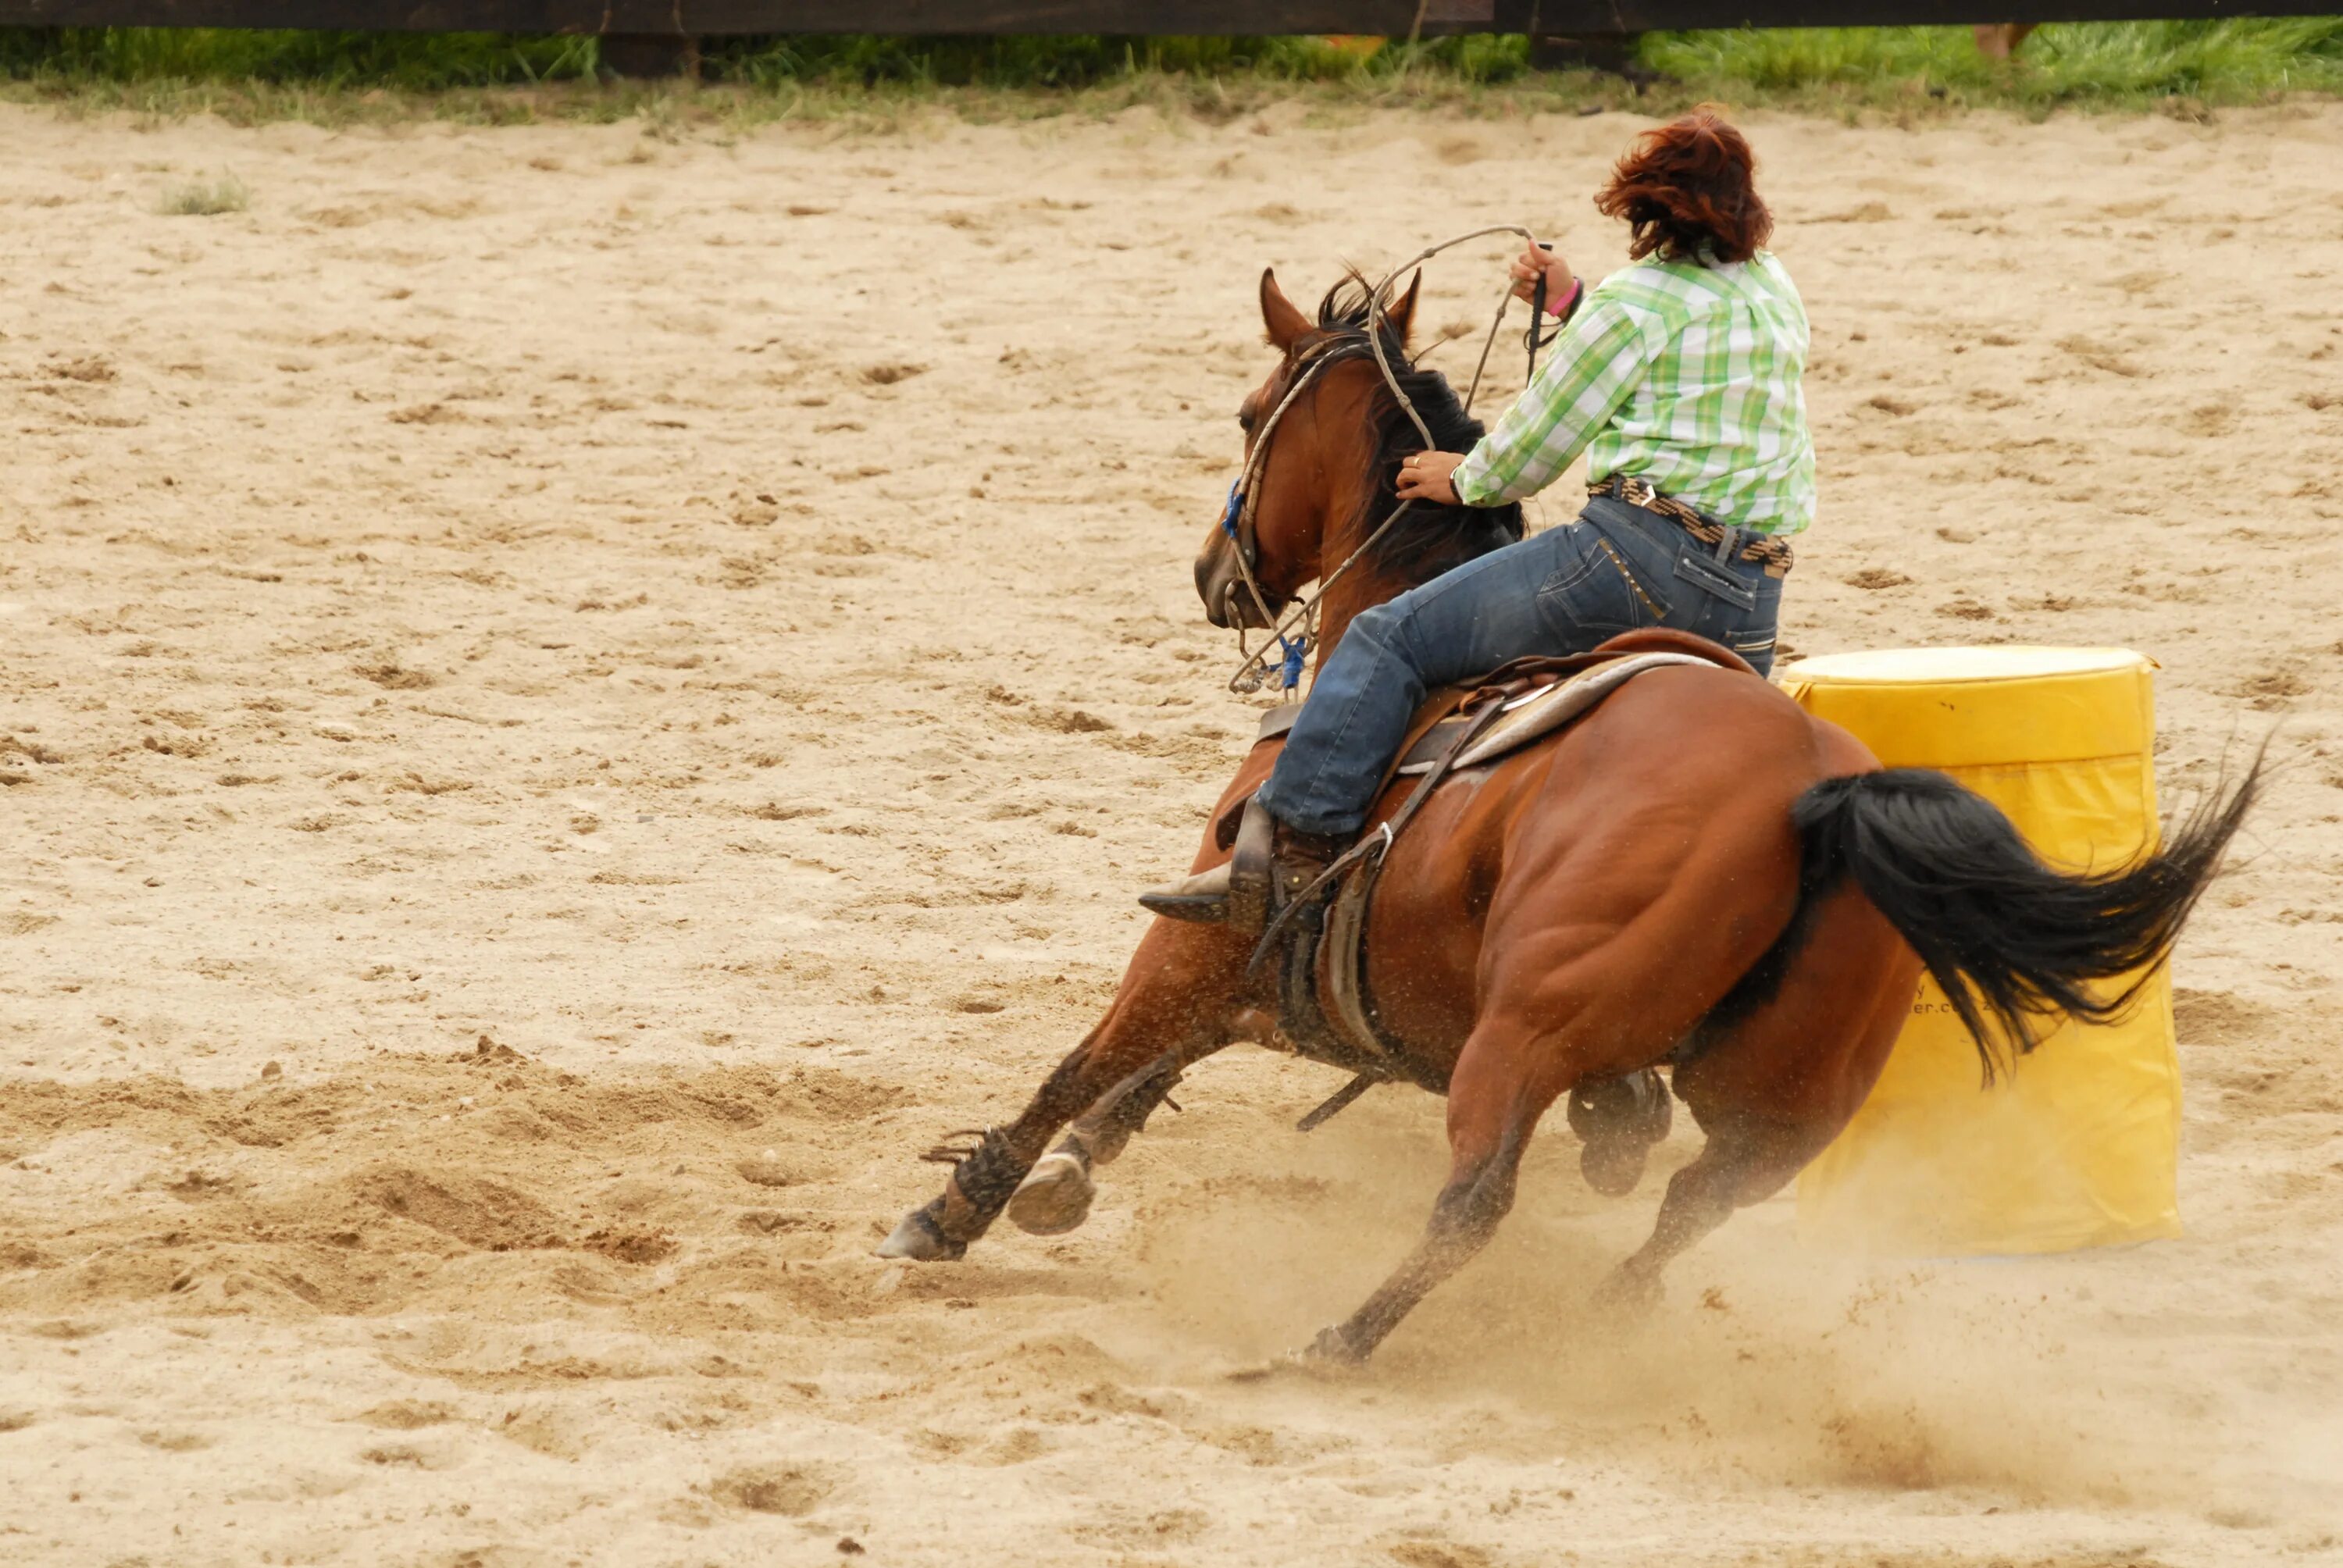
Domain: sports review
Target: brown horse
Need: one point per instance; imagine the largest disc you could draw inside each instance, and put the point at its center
(1696, 875)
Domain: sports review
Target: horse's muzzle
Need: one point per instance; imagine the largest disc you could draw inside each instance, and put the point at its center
(1227, 601)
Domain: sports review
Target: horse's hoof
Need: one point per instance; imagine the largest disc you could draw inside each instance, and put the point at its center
(1612, 1166)
(1054, 1197)
(1619, 1120)
(1332, 1351)
(920, 1239)
(1623, 1289)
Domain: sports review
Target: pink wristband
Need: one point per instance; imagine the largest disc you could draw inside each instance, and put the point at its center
(1569, 303)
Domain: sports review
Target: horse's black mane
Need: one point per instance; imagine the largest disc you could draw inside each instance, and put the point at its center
(1429, 540)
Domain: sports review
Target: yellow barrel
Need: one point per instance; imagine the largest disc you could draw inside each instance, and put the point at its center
(2080, 1145)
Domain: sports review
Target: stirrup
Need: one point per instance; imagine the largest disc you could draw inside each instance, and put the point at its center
(1235, 894)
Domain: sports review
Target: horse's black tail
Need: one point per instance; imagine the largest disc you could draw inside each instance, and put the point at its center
(2007, 938)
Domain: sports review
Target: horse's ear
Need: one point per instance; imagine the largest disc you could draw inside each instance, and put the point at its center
(1280, 315)
(1401, 314)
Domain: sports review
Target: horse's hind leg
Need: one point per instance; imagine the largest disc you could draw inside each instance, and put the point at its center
(1566, 997)
(1175, 1001)
(1742, 1163)
(1492, 1108)
(1776, 1088)
(1513, 1066)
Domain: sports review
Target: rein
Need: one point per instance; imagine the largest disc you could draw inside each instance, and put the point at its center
(1294, 634)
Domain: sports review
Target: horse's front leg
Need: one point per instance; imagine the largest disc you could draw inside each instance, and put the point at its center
(1179, 1000)
(1056, 1195)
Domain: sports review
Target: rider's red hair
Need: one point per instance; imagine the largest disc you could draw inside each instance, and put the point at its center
(1686, 189)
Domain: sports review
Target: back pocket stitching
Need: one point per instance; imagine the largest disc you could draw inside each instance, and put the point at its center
(1650, 608)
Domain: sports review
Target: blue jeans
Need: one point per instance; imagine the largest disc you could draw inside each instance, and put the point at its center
(1617, 568)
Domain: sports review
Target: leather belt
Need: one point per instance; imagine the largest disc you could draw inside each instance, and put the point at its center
(1764, 550)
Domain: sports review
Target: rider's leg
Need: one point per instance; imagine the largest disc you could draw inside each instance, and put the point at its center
(1515, 602)
(1551, 594)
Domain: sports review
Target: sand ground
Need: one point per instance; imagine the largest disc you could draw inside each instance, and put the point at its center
(570, 699)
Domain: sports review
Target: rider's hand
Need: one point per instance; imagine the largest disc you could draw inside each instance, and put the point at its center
(1532, 262)
(1428, 476)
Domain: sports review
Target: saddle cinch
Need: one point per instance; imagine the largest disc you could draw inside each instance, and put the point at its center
(1325, 1010)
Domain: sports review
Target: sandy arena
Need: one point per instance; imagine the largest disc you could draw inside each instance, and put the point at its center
(571, 699)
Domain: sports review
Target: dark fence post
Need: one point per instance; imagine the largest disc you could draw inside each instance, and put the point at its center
(650, 53)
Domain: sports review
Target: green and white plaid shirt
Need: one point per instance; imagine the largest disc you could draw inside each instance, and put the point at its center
(1688, 375)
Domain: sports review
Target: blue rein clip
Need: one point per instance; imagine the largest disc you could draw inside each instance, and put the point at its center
(1235, 508)
(1289, 668)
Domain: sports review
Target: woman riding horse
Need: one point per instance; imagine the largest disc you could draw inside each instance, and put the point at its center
(1696, 874)
(1681, 377)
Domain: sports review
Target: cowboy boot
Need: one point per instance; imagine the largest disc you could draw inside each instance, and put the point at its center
(1270, 867)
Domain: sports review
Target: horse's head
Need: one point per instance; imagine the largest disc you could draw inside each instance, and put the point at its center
(1323, 440)
(1317, 395)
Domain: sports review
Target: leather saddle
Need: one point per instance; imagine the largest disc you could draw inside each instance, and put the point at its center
(1542, 696)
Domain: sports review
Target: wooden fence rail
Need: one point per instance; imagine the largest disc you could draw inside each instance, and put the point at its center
(708, 18)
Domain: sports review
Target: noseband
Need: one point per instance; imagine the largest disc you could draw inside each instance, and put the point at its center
(1240, 522)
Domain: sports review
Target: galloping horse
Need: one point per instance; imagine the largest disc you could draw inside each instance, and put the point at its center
(1696, 874)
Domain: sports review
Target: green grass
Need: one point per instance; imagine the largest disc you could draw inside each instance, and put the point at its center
(2110, 65)
(1902, 71)
(409, 62)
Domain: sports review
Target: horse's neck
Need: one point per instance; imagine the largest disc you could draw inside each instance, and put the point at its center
(1355, 511)
(1359, 590)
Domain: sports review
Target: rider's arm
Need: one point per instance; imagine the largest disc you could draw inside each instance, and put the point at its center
(1598, 362)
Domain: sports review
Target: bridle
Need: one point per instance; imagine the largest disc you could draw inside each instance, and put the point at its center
(1294, 632)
